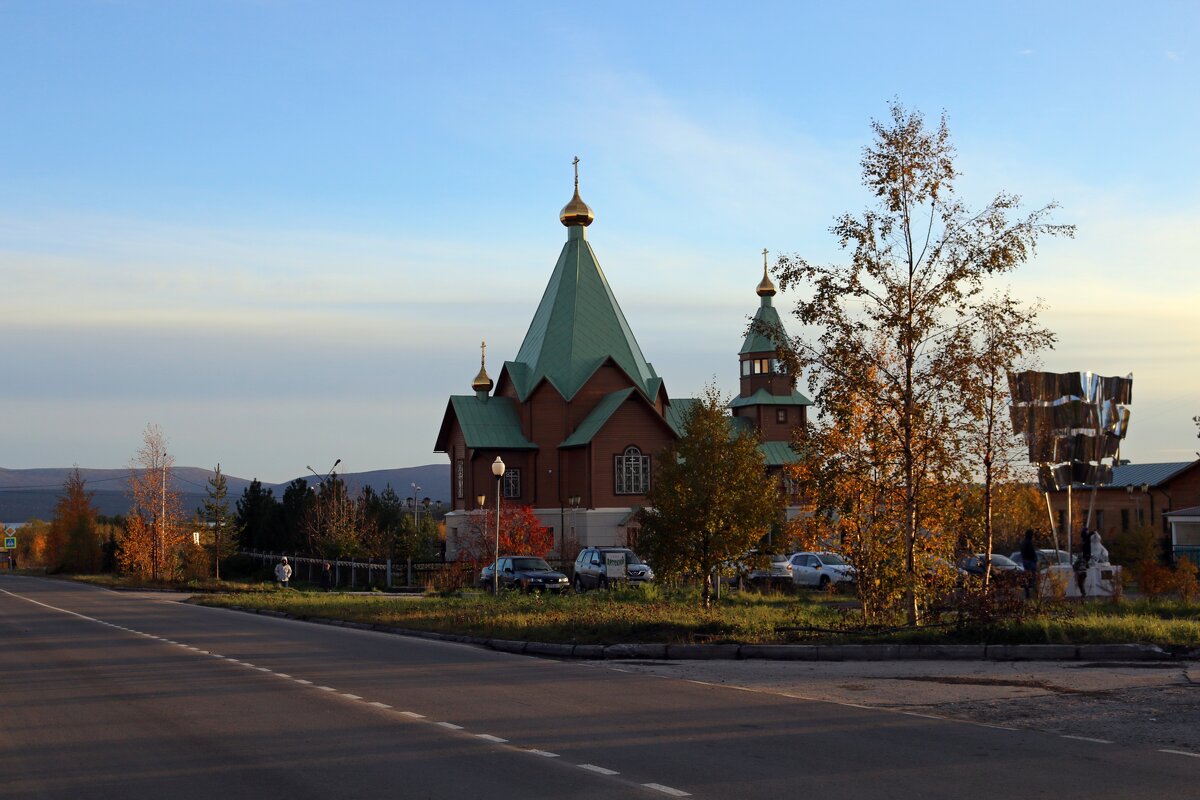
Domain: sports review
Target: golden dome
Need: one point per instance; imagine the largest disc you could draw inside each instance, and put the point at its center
(765, 287)
(482, 382)
(576, 212)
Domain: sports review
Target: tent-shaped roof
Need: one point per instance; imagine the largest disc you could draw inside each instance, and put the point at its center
(577, 326)
(766, 319)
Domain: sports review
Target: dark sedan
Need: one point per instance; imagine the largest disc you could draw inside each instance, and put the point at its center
(527, 573)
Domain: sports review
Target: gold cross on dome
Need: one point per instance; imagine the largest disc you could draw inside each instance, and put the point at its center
(765, 258)
(482, 352)
(575, 162)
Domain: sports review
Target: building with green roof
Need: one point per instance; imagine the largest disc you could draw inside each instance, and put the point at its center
(578, 415)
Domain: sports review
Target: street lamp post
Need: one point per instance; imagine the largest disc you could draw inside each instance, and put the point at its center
(498, 471)
(573, 500)
(162, 518)
(316, 497)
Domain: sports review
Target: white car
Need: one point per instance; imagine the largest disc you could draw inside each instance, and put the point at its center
(820, 570)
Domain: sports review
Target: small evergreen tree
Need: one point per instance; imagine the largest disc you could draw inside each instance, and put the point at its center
(258, 517)
(75, 526)
(220, 522)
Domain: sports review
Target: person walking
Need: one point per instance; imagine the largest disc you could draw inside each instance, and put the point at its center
(1030, 563)
(283, 572)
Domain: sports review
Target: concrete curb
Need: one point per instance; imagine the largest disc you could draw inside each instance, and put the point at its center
(781, 652)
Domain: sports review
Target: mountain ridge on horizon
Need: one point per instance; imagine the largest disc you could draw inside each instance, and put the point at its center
(33, 493)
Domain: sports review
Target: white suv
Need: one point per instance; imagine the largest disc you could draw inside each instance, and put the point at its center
(820, 570)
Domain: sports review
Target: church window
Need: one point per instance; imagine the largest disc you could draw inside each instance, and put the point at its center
(762, 366)
(458, 479)
(632, 472)
(512, 482)
(781, 416)
(745, 368)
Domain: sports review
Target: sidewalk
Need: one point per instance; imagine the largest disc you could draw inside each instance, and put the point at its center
(1145, 703)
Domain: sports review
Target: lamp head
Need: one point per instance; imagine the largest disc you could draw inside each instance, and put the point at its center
(498, 467)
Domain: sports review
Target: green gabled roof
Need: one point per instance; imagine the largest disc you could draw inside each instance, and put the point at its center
(764, 398)
(767, 318)
(741, 425)
(489, 423)
(596, 418)
(677, 411)
(778, 454)
(578, 325)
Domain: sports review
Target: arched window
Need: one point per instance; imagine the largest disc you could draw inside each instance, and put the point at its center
(632, 472)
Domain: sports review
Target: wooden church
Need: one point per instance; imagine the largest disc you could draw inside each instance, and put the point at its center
(579, 415)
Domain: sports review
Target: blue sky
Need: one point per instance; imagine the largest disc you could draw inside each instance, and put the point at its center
(280, 229)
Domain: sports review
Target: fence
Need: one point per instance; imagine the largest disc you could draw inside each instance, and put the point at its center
(384, 574)
(1191, 553)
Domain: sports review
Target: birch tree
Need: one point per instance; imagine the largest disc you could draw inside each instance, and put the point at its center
(155, 530)
(917, 260)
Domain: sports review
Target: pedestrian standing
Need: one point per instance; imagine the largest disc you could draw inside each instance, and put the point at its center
(326, 577)
(283, 572)
(1030, 562)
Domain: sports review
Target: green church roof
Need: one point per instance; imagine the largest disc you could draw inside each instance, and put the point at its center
(764, 398)
(487, 423)
(596, 418)
(577, 326)
(677, 411)
(778, 454)
(767, 319)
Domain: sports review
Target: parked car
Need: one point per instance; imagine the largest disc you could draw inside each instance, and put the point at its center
(1045, 558)
(591, 572)
(973, 564)
(820, 570)
(527, 573)
(778, 568)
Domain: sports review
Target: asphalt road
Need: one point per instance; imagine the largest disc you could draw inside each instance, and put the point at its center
(129, 695)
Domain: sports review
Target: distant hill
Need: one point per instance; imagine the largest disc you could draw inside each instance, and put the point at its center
(32, 493)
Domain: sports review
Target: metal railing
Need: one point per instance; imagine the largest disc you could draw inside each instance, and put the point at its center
(383, 574)
(1190, 552)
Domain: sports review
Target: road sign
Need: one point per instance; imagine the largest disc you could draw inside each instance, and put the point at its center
(10, 543)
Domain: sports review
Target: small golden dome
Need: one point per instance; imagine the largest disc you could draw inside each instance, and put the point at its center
(576, 212)
(482, 382)
(765, 287)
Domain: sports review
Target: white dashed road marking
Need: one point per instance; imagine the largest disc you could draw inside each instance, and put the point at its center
(542, 753)
(1180, 753)
(598, 770)
(658, 787)
(491, 738)
(449, 726)
(1086, 739)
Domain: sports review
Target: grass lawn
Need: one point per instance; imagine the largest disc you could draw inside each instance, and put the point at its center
(657, 616)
